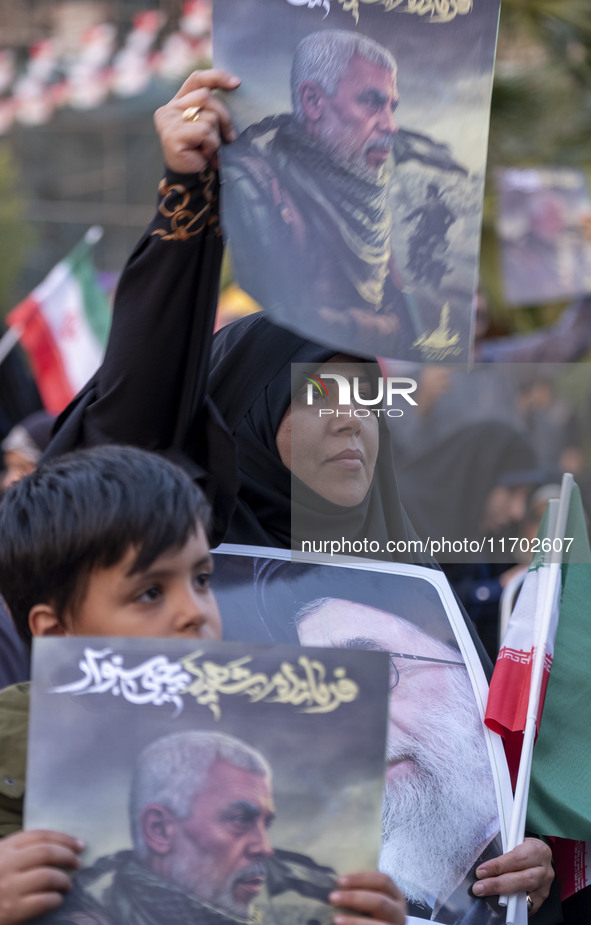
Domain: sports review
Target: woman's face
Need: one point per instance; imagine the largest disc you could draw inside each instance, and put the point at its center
(332, 448)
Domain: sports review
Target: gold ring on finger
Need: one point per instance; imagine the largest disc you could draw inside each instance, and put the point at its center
(191, 114)
(530, 904)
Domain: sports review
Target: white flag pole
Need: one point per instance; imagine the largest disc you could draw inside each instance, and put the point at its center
(12, 336)
(9, 340)
(93, 235)
(550, 586)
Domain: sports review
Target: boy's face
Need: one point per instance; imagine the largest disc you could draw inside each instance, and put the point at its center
(172, 597)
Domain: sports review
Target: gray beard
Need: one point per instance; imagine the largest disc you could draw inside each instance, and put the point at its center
(357, 165)
(437, 822)
(194, 877)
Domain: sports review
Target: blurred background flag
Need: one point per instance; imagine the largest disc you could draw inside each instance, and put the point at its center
(63, 325)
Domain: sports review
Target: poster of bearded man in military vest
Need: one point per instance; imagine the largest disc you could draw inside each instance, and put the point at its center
(352, 197)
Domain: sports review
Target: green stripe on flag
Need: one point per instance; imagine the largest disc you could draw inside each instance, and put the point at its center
(560, 791)
(96, 305)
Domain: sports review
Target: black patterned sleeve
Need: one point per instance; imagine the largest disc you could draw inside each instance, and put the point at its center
(151, 388)
(160, 340)
(162, 318)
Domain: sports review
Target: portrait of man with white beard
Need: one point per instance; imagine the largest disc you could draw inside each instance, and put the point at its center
(440, 809)
(445, 783)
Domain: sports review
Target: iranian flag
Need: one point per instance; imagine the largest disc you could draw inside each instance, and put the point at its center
(542, 686)
(572, 865)
(63, 326)
(509, 695)
(560, 796)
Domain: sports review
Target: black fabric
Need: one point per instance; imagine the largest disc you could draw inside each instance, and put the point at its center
(18, 393)
(550, 912)
(577, 908)
(39, 426)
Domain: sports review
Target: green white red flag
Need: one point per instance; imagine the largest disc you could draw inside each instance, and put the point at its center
(63, 326)
(559, 803)
(560, 797)
(508, 699)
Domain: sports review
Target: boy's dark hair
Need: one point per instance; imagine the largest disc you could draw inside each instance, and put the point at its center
(84, 511)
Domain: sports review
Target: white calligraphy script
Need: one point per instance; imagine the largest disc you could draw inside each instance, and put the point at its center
(325, 4)
(435, 10)
(304, 686)
(159, 681)
(156, 681)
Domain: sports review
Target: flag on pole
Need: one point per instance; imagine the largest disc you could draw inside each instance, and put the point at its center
(63, 326)
(559, 795)
(538, 633)
(506, 709)
(559, 801)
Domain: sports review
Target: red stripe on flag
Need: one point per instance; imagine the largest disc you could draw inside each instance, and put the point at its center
(507, 703)
(46, 360)
(506, 709)
(570, 864)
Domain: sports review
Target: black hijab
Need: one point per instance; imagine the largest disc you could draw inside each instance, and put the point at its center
(250, 385)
